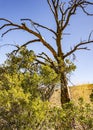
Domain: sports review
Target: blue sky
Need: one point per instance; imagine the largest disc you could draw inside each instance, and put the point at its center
(80, 27)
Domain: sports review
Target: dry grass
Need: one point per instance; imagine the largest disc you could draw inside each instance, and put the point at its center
(76, 93)
(83, 91)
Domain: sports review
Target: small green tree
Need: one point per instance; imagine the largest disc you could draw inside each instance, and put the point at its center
(37, 79)
(19, 95)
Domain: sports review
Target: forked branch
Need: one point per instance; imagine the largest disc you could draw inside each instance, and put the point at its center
(78, 47)
(62, 15)
(39, 25)
(12, 26)
(48, 61)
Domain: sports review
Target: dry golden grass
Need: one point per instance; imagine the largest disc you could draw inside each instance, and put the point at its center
(77, 92)
(83, 91)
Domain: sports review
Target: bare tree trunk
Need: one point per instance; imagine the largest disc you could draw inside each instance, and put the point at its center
(65, 94)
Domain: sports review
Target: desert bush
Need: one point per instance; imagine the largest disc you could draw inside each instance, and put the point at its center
(19, 112)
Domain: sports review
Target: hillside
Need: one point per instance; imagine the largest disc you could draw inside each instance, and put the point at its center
(76, 92)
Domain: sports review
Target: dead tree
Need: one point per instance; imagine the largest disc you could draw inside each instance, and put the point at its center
(62, 14)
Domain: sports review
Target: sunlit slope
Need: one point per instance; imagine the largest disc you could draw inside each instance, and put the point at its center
(76, 93)
(81, 91)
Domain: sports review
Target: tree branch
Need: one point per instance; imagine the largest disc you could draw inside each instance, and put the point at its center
(39, 25)
(45, 59)
(12, 26)
(9, 31)
(6, 20)
(44, 55)
(54, 4)
(90, 35)
(89, 14)
(42, 40)
(10, 45)
(71, 10)
(40, 62)
(78, 47)
(49, 61)
(19, 47)
(48, 1)
(68, 13)
(24, 27)
(31, 41)
(25, 44)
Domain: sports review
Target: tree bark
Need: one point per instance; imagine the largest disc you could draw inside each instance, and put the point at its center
(65, 94)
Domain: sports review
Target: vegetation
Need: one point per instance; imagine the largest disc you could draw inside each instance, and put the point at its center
(21, 105)
(91, 96)
(27, 80)
(61, 64)
(78, 91)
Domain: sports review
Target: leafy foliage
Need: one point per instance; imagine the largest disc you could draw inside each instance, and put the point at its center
(21, 107)
(21, 113)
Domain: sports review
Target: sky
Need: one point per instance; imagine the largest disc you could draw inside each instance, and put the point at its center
(38, 10)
